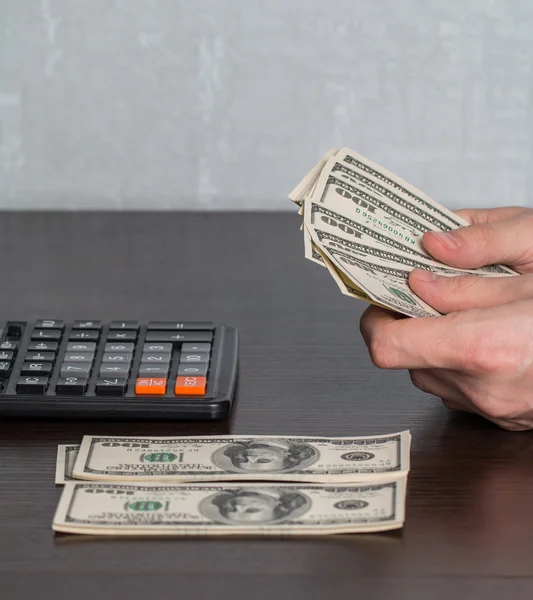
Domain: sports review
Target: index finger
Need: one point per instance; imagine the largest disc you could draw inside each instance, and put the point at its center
(421, 343)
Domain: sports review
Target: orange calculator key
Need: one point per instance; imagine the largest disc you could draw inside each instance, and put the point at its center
(190, 386)
(150, 386)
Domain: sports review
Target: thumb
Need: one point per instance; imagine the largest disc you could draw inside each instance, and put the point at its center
(499, 242)
(465, 292)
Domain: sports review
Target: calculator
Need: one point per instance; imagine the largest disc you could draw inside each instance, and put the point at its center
(127, 370)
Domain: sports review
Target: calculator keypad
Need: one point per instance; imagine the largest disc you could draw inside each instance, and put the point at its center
(122, 358)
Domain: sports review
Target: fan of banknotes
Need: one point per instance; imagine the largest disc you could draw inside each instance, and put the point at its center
(232, 485)
(365, 225)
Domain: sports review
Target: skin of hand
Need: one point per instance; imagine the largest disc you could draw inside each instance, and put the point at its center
(478, 356)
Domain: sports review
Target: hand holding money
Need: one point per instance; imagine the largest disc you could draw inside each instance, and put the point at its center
(373, 231)
(366, 226)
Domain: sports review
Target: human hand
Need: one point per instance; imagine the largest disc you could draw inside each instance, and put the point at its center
(478, 360)
(478, 357)
(500, 235)
(495, 235)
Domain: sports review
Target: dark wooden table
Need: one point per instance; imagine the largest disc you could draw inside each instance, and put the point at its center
(303, 370)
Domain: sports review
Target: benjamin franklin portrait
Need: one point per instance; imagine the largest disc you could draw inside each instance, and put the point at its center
(265, 456)
(255, 507)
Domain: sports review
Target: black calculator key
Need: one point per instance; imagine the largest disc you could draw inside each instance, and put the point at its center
(121, 336)
(153, 357)
(194, 357)
(5, 367)
(84, 357)
(83, 335)
(146, 370)
(78, 368)
(113, 386)
(45, 346)
(49, 324)
(119, 347)
(87, 325)
(40, 356)
(81, 347)
(134, 325)
(46, 334)
(8, 345)
(71, 385)
(200, 370)
(14, 331)
(6, 355)
(117, 370)
(45, 368)
(174, 325)
(32, 384)
(161, 347)
(182, 336)
(199, 347)
(117, 357)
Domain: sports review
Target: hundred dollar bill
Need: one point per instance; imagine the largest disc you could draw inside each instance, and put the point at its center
(372, 176)
(242, 457)
(379, 185)
(338, 238)
(378, 255)
(400, 192)
(419, 202)
(353, 236)
(66, 457)
(385, 283)
(229, 509)
(337, 192)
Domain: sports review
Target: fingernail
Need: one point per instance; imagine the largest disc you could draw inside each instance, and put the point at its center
(446, 239)
(423, 275)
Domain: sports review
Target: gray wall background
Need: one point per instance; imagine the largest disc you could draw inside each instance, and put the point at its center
(226, 104)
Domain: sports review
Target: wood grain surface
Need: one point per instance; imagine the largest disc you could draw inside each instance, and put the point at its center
(303, 370)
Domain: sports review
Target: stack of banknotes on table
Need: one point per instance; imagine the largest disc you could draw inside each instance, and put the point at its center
(232, 485)
(365, 225)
